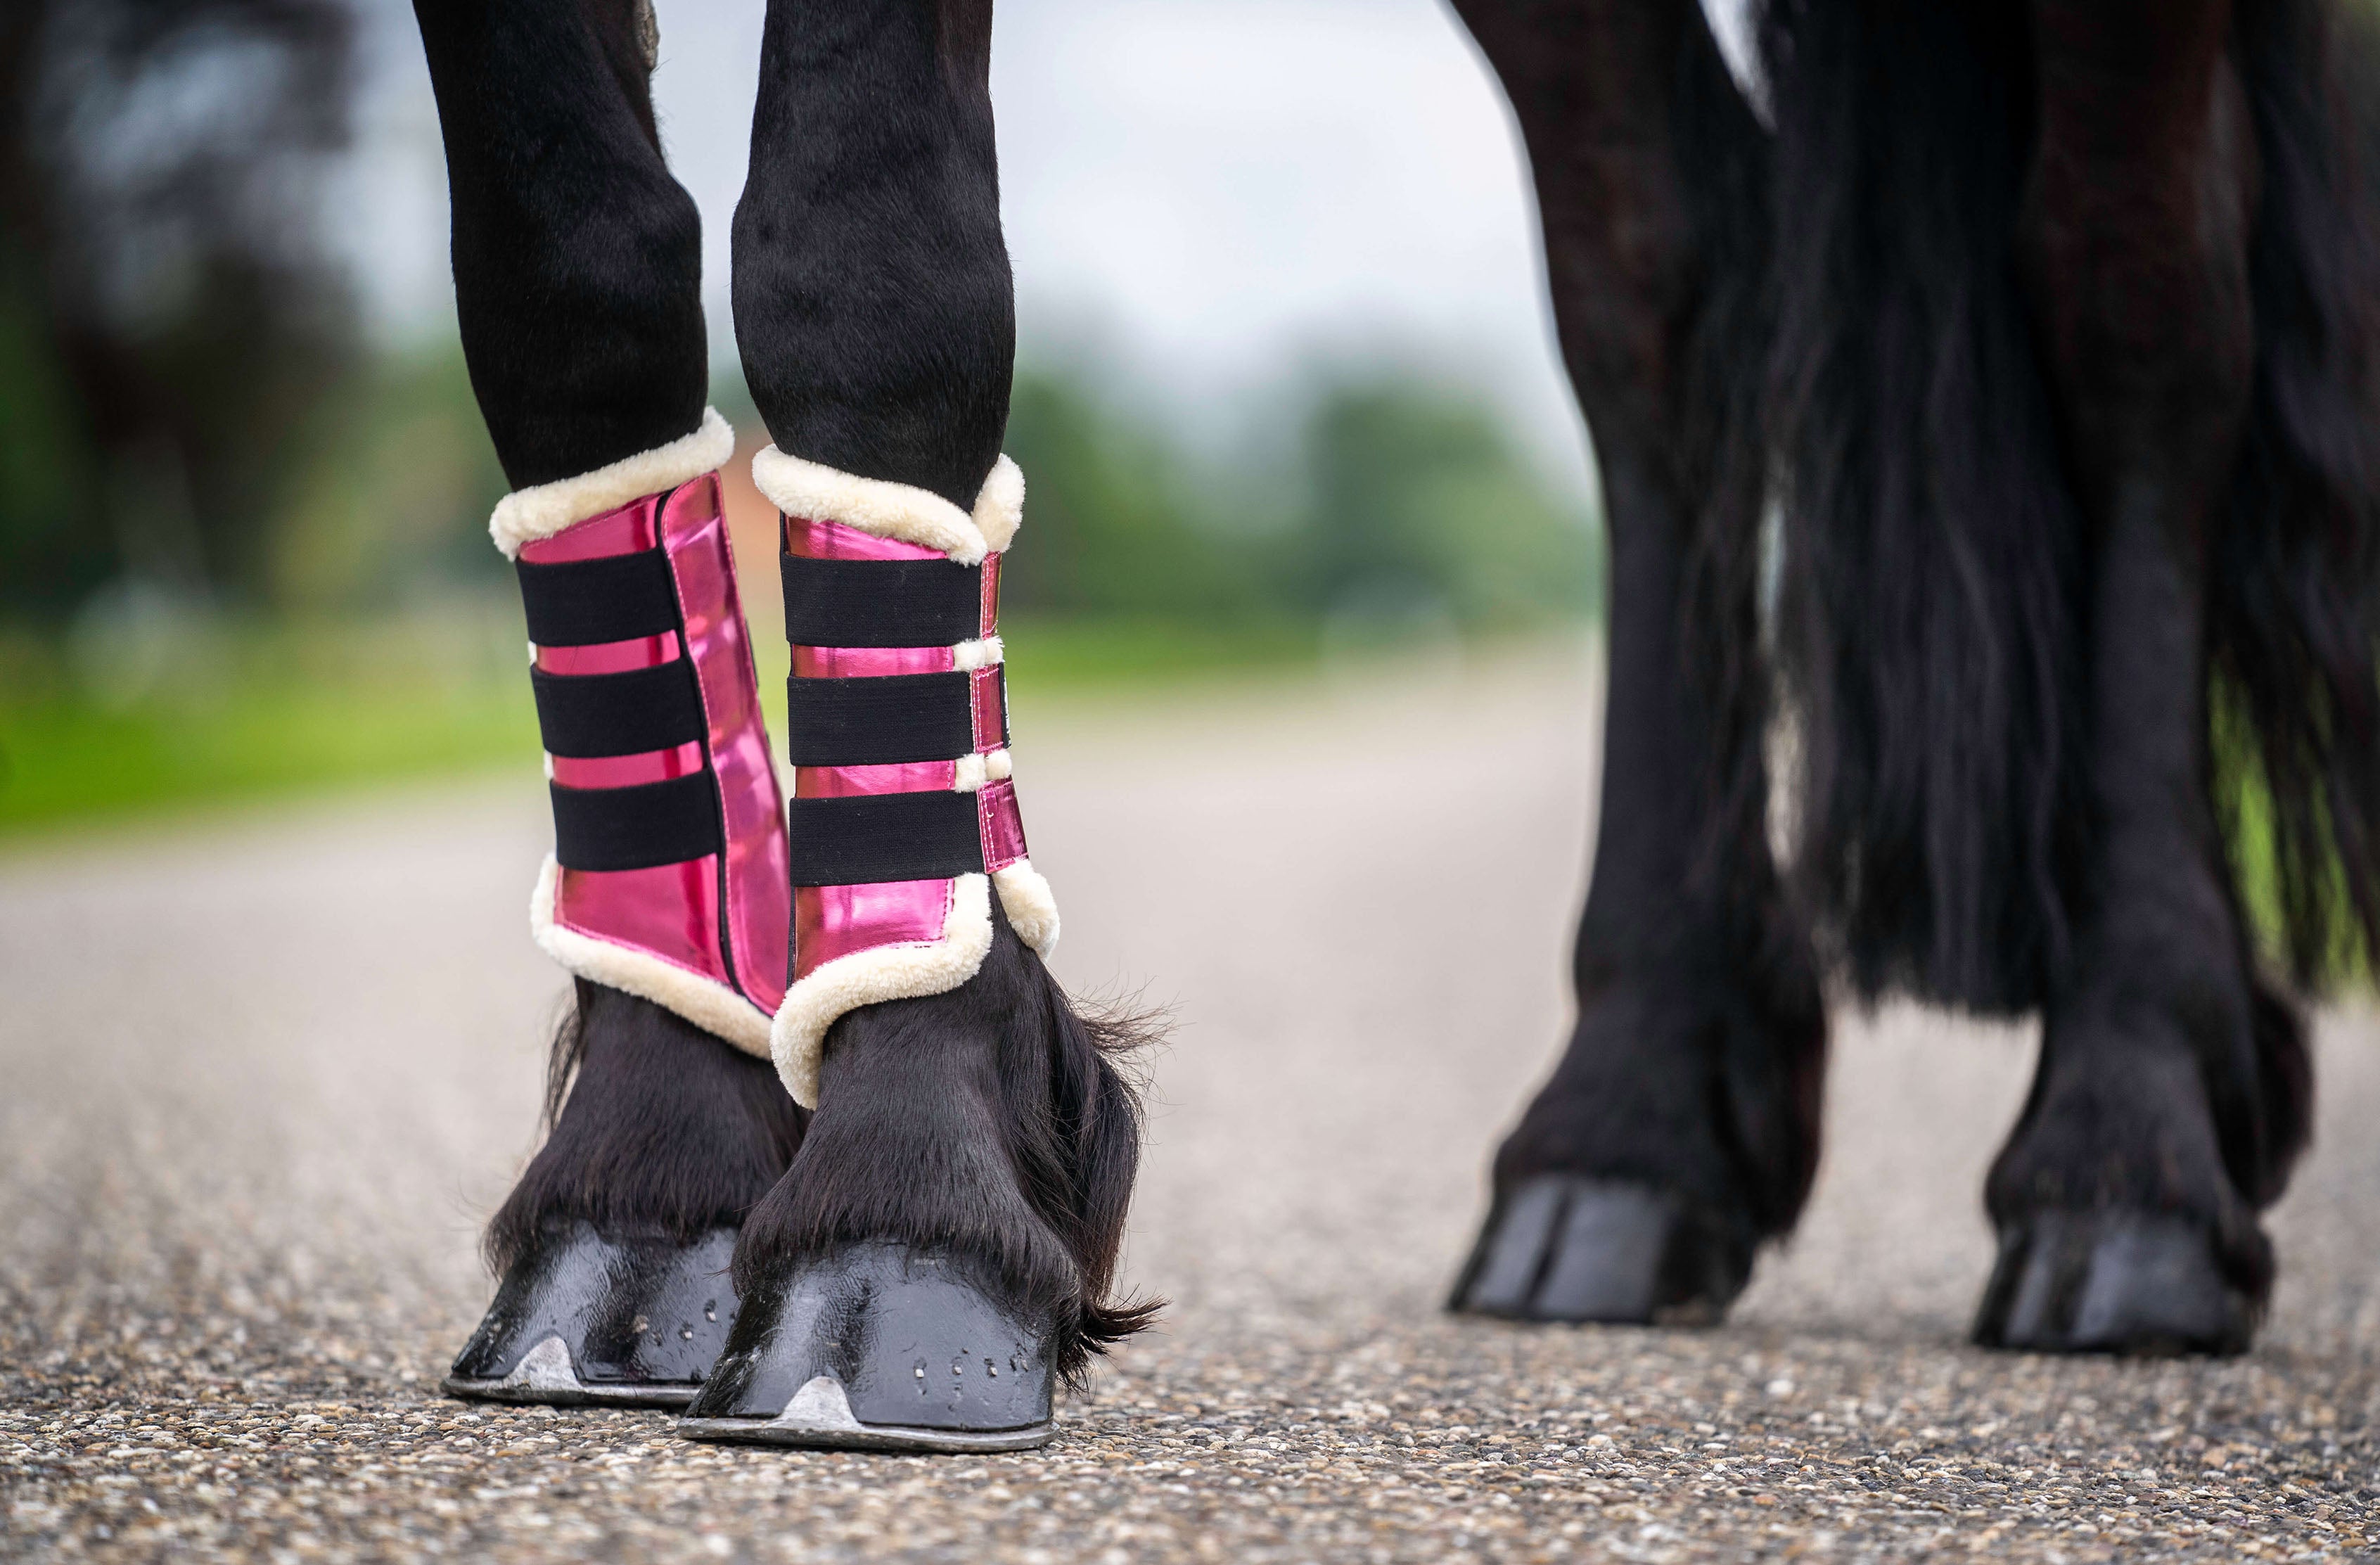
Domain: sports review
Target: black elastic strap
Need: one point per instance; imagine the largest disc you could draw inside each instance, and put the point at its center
(879, 721)
(871, 837)
(653, 823)
(582, 603)
(585, 715)
(881, 602)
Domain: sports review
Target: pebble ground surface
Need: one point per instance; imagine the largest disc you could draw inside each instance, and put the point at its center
(261, 1078)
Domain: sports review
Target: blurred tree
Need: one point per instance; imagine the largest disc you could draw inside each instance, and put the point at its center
(1114, 514)
(1417, 507)
(1399, 504)
(171, 330)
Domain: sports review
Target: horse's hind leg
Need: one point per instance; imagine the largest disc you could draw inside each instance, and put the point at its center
(1679, 1128)
(576, 272)
(2172, 1092)
(942, 1247)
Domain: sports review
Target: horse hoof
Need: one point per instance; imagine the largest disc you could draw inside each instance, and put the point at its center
(1562, 1248)
(580, 1320)
(878, 1348)
(2135, 1284)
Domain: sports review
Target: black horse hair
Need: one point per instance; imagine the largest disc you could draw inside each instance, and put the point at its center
(1017, 1165)
(1933, 619)
(655, 1129)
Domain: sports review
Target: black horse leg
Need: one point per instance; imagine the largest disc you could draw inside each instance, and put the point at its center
(1679, 1128)
(2172, 1093)
(576, 278)
(944, 1243)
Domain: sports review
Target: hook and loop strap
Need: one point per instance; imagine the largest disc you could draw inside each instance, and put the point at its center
(881, 720)
(869, 838)
(636, 827)
(585, 602)
(881, 602)
(591, 715)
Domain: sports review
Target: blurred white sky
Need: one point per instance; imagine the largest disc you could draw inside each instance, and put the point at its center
(1214, 191)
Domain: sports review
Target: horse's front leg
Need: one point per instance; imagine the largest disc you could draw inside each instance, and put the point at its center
(2172, 1092)
(943, 1245)
(1679, 1128)
(578, 269)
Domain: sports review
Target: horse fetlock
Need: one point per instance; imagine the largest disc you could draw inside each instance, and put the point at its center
(2120, 1119)
(1683, 1088)
(2120, 1229)
(965, 1177)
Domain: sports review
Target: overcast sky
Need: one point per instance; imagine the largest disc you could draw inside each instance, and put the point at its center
(1214, 191)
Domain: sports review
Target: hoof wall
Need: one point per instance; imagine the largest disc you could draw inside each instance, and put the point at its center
(580, 1320)
(1562, 1248)
(2135, 1284)
(877, 1348)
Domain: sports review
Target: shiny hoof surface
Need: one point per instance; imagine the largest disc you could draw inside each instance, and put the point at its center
(2112, 1282)
(580, 1320)
(1562, 1248)
(877, 1348)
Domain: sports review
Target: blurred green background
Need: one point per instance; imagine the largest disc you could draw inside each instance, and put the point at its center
(242, 537)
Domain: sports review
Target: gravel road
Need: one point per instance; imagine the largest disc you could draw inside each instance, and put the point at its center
(260, 1081)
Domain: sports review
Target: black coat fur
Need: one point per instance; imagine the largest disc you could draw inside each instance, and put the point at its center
(1934, 617)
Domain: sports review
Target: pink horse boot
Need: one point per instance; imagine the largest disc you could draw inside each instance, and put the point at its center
(904, 823)
(668, 882)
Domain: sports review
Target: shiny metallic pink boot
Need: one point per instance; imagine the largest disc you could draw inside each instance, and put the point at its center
(904, 818)
(668, 880)
(904, 823)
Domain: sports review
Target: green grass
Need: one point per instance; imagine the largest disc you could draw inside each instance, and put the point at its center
(278, 711)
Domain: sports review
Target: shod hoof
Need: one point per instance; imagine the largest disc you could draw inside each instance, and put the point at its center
(2137, 1283)
(1562, 1248)
(582, 1320)
(878, 1348)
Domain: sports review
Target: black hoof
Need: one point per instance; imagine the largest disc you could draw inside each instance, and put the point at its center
(581, 1319)
(878, 1348)
(1564, 1248)
(2112, 1282)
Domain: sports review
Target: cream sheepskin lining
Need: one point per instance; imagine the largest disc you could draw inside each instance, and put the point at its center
(814, 492)
(969, 656)
(713, 1007)
(908, 971)
(974, 771)
(1032, 911)
(541, 510)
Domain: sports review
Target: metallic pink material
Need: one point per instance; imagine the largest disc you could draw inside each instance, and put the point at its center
(626, 771)
(836, 921)
(1003, 829)
(901, 777)
(611, 657)
(670, 911)
(831, 922)
(869, 662)
(723, 918)
(991, 615)
(990, 701)
(759, 873)
(623, 531)
(832, 540)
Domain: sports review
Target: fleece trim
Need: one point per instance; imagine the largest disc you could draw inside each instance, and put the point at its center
(541, 510)
(1032, 909)
(908, 971)
(710, 1005)
(814, 493)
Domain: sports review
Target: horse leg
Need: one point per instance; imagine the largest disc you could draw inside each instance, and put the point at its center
(2172, 1090)
(576, 275)
(1679, 1128)
(942, 1247)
